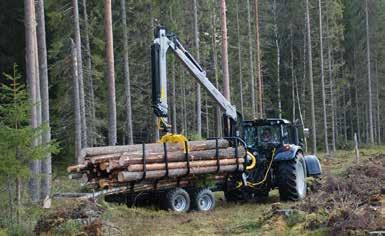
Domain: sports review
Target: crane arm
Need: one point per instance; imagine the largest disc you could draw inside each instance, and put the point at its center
(165, 40)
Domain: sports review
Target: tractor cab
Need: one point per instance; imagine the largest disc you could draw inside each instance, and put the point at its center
(263, 134)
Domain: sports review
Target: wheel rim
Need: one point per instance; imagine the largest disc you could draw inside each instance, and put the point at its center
(205, 202)
(180, 203)
(300, 179)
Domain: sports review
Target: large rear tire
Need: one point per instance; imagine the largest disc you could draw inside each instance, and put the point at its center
(291, 179)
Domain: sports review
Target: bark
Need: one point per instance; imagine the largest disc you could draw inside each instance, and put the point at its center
(225, 60)
(326, 141)
(46, 167)
(370, 96)
(127, 86)
(126, 176)
(310, 58)
(240, 57)
(258, 57)
(198, 86)
(278, 59)
(31, 74)
(78, 133)
(251, 63)
(110, 73)
(91, 105)
(78, 44)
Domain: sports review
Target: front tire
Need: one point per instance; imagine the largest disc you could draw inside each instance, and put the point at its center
(291, 179)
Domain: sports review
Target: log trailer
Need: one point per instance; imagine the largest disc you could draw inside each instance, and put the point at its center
(275, 156)
(252, 158)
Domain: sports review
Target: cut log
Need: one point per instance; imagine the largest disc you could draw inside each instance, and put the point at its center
(150, 148)
(126, 176)
(182, 165)
(78, 168)
(180, 156)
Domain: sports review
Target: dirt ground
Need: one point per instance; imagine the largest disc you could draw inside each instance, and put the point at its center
(348, 200)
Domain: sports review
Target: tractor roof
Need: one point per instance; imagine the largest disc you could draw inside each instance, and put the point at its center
(268, 121)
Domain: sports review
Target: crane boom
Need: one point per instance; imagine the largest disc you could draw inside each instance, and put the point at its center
(163, 41)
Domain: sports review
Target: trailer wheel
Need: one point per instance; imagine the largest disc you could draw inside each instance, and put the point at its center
(291, 179)
(177, 200)
(202, 199)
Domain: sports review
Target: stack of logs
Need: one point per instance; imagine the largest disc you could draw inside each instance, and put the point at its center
(167, 165)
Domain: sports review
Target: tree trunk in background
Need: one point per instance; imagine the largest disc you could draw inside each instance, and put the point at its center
(78, 44)
(278, 60)
(198, 86)
(258, 57)
(225, 60)
(78, 126)
(292, 74)
(218, 117)
(378, 106)
(240, 56)
(91, 132)
(31, 74)
(323, 79)
(127, 86)
(110, 73)
(331, 82)
(370, 97)
(310, 58)
(46, 167)
(173, 101)
(251, 63)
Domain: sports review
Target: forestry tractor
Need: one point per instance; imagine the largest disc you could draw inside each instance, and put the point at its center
(275, 154)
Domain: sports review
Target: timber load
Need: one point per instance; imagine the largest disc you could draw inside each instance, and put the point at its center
(143, 167)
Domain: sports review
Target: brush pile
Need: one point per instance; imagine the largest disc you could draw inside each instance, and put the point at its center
(155, 165)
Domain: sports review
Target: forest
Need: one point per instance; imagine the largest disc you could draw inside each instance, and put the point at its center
(77, 74)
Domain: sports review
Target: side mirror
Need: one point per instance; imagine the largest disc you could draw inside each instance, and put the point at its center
(306, 132)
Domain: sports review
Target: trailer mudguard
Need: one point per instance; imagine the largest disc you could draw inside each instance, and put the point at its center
(313, 166)
(287, 152)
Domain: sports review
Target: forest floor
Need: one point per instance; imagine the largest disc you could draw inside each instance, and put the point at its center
(349, 197)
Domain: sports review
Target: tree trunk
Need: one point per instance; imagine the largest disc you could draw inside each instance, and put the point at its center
(218, 117)
(310, 58)
(331, 82)
(78, 127)
(46, 168)
(378, 106)
(251, 63)
(198, 86)
(127, 86)
(278, 59)
(225, 60)
(91, 132)
(240, 58)
(78, 44)
(258, 56)
(31, 74)
(110, 73)
(323, 79)
(292, 74)
(173, 104)
(370, 97)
